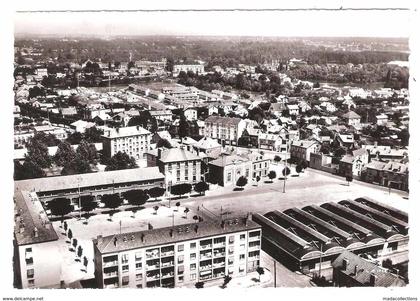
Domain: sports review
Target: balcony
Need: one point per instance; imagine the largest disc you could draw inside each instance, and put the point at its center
(205, 267)
(254, 248)
(218, 265)
(205, 247)
(167, 254)
(111, 274)
(219, 245)
(253, 258)
(219, 254)
(205, 256)
(153, 278)
(254, 238)
(167, 275)
(167, 264)
(110, 264)
(152, 255)
(152, 267)
(112, 285)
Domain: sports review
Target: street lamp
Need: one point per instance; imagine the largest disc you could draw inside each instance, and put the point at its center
(80, 201)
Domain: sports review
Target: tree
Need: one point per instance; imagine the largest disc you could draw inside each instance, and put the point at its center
(277, 159)
(156, 208)
(37, 153)
(60, 206)
(242, 181)
(258, 178)
(304, 164)
(183, 129)
(156, 192)
(79, 251)
(87, 152)
(28, 170)
(226, 280)
(74, 242)
(186, 212)
(111, 201)
(85, 262)
(65, 153)
(272, 175)
(121, 161)
(181, 189)
(286, 171)
(74, 138)
(93, 135)
(136, 198)
(88, 203)
(260, 272)
(199, 284)
(65, 226)
(299, 169)
(201, 187)
(349, 178)
(177, 205)
(78, 165)
(70, 234)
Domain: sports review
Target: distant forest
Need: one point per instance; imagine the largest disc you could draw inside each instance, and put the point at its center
(226, 52)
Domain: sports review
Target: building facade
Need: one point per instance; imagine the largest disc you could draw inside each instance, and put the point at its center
(178, 256)
(133, 140)
(225, 129)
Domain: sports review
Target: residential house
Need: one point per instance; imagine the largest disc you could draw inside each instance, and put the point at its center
(163, 115)
(351, 118)
(354, 164)
(226, 130)
(81, 125)
(381, 119)
(293, 109)
(190, 114)
(209, 146)
(226, 170)
(300, 150)
(389, 174)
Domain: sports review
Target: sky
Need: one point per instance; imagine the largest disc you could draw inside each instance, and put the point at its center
(366, 23)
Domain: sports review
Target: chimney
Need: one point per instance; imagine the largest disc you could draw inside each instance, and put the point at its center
(35, 232)
(196, 228)
(372, 279)
(355, 269)
(115, 241)
(159, 153)
(99, 239)
(247, 219)
(171, 233)
(138, 127)
(345, 263)
(223, 225)
(143, 238)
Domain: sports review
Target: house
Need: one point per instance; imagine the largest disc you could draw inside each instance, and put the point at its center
(70, 111)
(351, 118)
(344, 140)
(226, 130)
(132, 140)
(354, 164)
(300, 150)
(389, 174)
(177, 164)
(351, 270)
(381, 119)
(272, 142)
(226, 170)
(195, 68)
(304, 106)
(293, 109)
(156, 137)
(81, 125)
(277, 108)
(164, 115)
(208, 146)
(348, 101)
(190, 114)
(328, 106)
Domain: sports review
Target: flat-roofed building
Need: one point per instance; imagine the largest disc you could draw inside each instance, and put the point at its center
(132, 140)
(225, 129)
(178, 256)
(37, 259)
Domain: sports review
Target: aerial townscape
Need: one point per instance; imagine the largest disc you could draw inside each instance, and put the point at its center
(199, 162)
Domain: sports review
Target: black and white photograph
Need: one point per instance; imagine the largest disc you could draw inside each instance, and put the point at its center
(211, 150)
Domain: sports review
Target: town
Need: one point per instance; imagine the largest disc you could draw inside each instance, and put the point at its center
(137, 166)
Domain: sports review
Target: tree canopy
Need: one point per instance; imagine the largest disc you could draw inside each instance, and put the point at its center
(121, 161)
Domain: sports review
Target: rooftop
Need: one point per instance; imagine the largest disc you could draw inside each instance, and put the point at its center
(223, 120)
(126, 132)
(173, 155)
(206, 143)
(89, 179)
(228, 160)
(168, 235)
(351, 115)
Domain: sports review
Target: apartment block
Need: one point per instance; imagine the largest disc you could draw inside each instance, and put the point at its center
(178, 256)
(132, 140)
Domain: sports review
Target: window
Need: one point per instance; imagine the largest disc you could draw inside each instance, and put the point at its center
(242, 257)
(139, 285)
(193, 276)
(180, 270)
(181, 279)
(180, 248)
(30, 273)
(28, 250)
(31, 282)
(242, 247)
(125, 280)
(124, 258)
(181, 259)
(241, 269)
(138, 265)
(242, 237)
(193, 267)
(229, 177)
(138, 256)
(125, 268)
(231, 239)
(193, 256)
(139, 276)
(230, 260)
(193, 245)
(230, 250)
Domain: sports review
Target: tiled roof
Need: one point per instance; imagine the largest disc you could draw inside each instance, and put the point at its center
(364, 271)
(174, 155)
(228, 160)
(347, 159)
(223, 120)
(154, 237)
(30, 216)
(126, 132)
(206, 143)
(351, 115)
(360, 152)
(90, 179)
(303, 143)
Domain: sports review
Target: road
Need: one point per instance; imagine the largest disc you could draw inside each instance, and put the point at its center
(311, 187)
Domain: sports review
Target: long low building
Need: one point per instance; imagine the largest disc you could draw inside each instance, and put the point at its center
(311, 238)
(93, 183)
